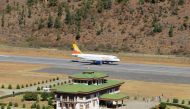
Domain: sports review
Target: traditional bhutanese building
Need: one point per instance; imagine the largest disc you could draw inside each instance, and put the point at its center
(89, 90)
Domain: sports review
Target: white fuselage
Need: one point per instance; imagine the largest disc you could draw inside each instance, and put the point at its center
(95, 57)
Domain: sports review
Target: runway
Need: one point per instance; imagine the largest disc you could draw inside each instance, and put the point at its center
(127, 71)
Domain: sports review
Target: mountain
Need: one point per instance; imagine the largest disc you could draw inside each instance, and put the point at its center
(142, 26)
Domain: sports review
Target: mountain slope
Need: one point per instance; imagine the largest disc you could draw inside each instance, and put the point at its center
(143, 26)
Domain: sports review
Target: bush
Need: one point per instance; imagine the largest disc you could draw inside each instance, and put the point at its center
(33, 105)
(30, 97)
(44, 96)
(50, 86)
(2, 86)
(10, 86)
(34, 84)
(43, 107)
(57, 78)
(50, 102)
(38, 82)
(2, 107)
(168, 100)
(37, 106)
(38, 88)
(42, 82)
(162, 106)
(23, 106)
(54, 85)
(175, 100)
(178, 105)
(8, 107)
(22, 86)
(183, 102)
(16, 105)
(189, 102)
(10, 104)
(18, 86)
(31, 85)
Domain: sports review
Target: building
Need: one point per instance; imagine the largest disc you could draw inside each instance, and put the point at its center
(89, 90)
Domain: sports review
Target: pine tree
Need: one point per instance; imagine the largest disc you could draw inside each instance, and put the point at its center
(8, 8)
(57, 23)
(52, 2)
(170, 31)
(3, 20)
(50, 21)
(68, 18)
(29, 12)
(60, 10)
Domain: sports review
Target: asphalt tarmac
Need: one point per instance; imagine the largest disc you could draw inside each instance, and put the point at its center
(127, 71)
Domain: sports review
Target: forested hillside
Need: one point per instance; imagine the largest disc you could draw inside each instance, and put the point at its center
(142, 26)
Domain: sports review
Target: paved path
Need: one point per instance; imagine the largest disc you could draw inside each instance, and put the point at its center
(144, 72)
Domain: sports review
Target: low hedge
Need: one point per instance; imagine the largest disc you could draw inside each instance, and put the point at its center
(178, 105)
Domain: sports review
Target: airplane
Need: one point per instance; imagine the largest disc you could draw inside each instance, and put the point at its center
(94, 58)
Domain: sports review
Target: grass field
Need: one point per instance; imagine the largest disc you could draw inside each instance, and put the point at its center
(151, 89)
(18, 99)
(125, 57)
(173, 107)
(19, 73)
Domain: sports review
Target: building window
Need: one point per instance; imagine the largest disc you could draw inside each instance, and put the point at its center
(81, 106)
(94, 103)
(87, 106)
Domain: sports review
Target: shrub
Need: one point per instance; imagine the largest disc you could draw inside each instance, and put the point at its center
(34, 84)
(189, 102)
(30, 97)
(2, 107)
(2, 86)
(175, 100)
(50, 102)
(42, 88)
(8, 107)
(183, 102)
(18, 86)
(38, 88)
(38, 82)
(33, 105)
(31, 85)
(44, 96)
(46, 81)
(16, 105)
(10, 86)
(57, 78)
(37, 106)
(43, 107)
(10, 104)
(50, 86)
(22, 86)
(168, 100)
(162, 106)
(23, 106)
(53, 79)
(58, 84)
(42, 82)
(54, 85)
